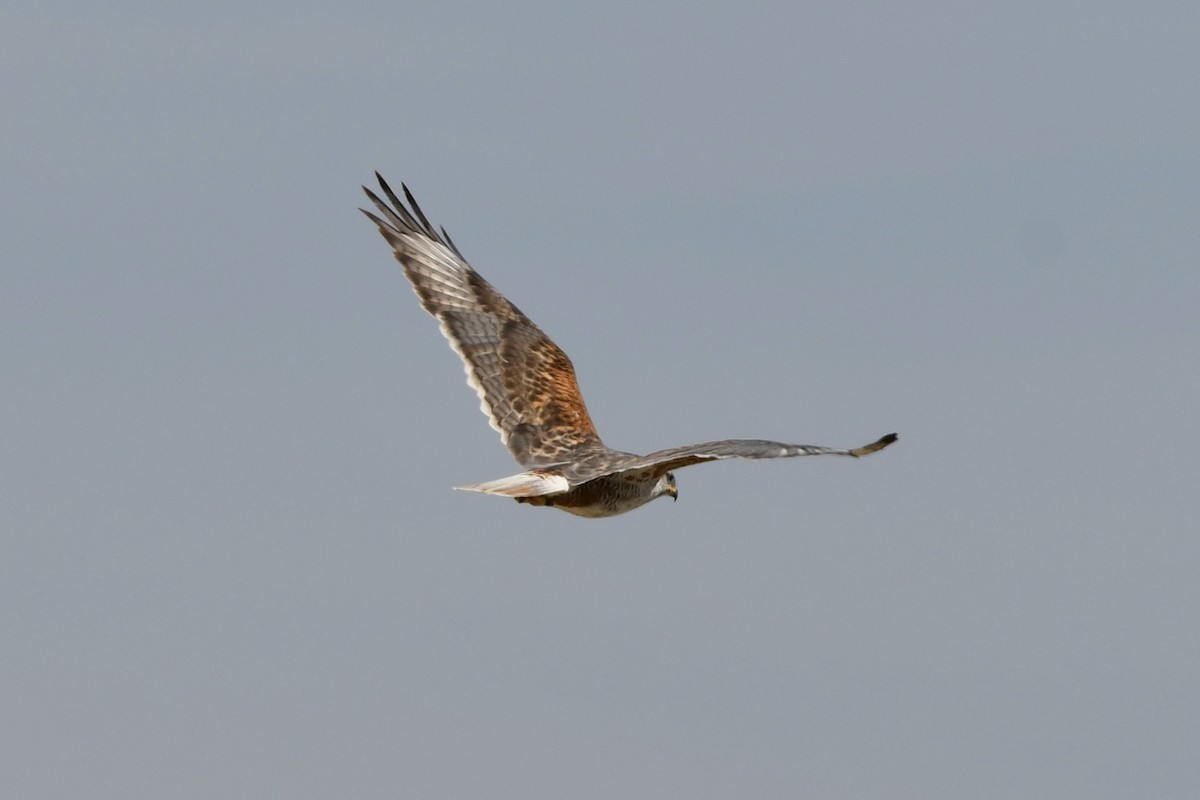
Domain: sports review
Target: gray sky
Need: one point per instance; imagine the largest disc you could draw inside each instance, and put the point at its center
(232, 562)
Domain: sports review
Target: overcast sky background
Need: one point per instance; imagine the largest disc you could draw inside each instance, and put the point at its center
(232, 564)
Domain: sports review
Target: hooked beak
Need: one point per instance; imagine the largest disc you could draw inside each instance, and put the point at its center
(669, 479)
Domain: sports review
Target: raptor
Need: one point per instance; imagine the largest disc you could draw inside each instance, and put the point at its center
(527, 388)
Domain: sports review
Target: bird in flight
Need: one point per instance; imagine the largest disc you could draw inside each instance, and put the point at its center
(527, 387)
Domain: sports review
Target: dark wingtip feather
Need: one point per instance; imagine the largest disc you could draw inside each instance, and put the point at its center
(450, 243)
(874, 447)
(405, 216)
(412, 203)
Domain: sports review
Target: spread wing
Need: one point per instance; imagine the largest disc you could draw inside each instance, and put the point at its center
(661, 462)
(526, 384)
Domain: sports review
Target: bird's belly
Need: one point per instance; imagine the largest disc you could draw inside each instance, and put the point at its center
(603, 497)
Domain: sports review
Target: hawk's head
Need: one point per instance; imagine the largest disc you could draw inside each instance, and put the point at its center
(666, 485)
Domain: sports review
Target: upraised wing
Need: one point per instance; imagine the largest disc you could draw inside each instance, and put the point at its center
(525, 382)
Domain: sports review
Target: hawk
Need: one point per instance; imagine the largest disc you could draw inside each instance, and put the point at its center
(527, 387)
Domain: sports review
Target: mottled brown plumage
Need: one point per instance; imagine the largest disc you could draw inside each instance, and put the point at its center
(527, 388)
